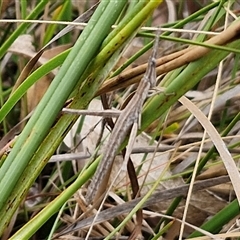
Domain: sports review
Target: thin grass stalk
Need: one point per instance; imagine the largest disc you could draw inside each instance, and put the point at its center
(23, 9)
(67, 16)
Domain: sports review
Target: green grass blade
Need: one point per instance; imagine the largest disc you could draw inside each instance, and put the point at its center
(215, 224)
